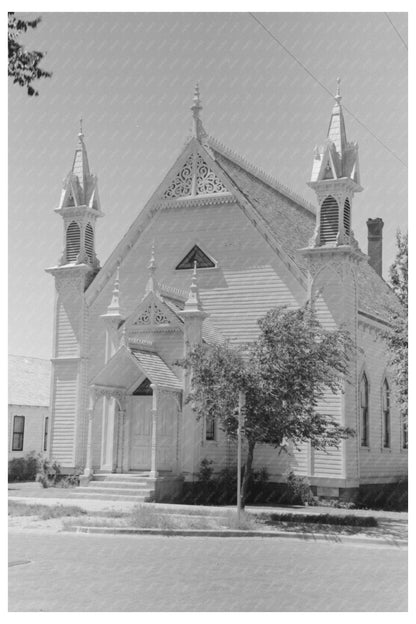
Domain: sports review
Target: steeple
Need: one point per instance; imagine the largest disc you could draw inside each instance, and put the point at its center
(112, 319)
(114, 307)
(198, 129)
(335, 179)
(336, 129)
(79, 207)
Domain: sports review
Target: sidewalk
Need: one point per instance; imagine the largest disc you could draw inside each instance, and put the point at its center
(392, 525)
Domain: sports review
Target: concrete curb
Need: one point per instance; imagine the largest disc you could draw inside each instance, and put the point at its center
(316, 537)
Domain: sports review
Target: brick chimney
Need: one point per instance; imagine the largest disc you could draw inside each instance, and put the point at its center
(375, 244)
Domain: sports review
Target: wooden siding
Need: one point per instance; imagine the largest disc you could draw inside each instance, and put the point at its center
(64, 413)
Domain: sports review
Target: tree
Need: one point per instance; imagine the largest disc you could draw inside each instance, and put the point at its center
(24, 64)
(397, 337)
(284, 374)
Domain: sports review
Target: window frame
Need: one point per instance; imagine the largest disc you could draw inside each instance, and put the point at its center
(364, 413)
(386, 415)
(210, 429)
(45, 434)
(18, 435)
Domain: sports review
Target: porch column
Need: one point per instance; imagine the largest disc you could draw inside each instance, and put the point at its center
(121, 434)
(153, 471)
(88, 472)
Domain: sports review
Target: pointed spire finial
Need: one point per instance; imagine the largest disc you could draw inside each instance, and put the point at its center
(196, 108)
(80, 133)
(151, 285)
(338, 96)
(193, 302)
(114, 307)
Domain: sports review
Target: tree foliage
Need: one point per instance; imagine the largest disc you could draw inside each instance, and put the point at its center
(285, 374)
(24, 64)
(397, 337)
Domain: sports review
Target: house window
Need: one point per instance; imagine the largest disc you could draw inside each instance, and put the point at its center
(404, 433)
(386, 414)
(364, 410)
(45, 434)
(210, 428)
(196, 255)
(18, 433)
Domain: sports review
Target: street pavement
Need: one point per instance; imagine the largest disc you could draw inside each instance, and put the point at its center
(67, 572)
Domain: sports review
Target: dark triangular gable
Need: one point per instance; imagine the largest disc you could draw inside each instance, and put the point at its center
(144, 388)
(196, 255)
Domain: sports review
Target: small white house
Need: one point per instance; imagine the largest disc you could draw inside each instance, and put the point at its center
(29, 391)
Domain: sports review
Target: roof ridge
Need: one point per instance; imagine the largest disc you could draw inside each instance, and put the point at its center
(265, 177)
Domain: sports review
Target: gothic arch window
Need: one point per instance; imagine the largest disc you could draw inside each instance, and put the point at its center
(347, 217)
(386, 414)
(210, 428)
(73, 241)
(196, 255)
(89, 241)
(329, 220)
(364, 411)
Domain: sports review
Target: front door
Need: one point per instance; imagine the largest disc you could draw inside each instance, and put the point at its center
(141, 432)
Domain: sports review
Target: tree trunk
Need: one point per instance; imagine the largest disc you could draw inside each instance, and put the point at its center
(248, 470)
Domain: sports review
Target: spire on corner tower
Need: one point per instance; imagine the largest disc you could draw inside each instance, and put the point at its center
(198, 130)
(336, 130)
(335, 179)
(79, 207)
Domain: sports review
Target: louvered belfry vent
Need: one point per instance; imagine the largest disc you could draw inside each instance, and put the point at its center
(89, 241)
(329, 220)
(73, 241)
(196, 255)
(347, 217)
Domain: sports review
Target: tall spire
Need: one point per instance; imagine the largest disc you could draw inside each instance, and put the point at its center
(80, 166)
(152, 285)
(336, 130)
(193, 303)
(198, 130)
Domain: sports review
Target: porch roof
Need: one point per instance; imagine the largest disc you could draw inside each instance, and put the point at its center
(129, 366)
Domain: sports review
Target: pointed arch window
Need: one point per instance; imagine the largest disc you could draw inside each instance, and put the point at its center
(364, 415)
(89, 241)
(386, 414)
(347, 217)
(73, 241)
(210, 428)
(196, 255)
(329, 220)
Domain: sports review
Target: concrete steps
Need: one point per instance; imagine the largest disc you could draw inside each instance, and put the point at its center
(113, 486)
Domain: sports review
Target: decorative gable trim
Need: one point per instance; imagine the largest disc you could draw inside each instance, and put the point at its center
(152, 314)
(196, 178)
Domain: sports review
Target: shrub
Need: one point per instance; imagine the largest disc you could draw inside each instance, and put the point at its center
(387, 496)
(298, 490)
(350, 520)
(48, 472)
(23, 468)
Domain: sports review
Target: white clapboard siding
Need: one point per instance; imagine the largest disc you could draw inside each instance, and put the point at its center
(64, 414)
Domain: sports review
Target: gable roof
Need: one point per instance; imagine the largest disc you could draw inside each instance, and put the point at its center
(283, 216)
(29, 381)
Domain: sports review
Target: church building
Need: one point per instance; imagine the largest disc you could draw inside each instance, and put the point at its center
(218, 244)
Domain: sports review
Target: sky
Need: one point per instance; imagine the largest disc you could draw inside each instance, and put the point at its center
(131, 76)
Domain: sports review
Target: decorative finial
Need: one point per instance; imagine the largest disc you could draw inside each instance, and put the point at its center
(114, 307)
(338, 96)
(196, 109)
(151, 285)
(193, 302)
(80, 133)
